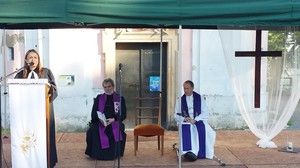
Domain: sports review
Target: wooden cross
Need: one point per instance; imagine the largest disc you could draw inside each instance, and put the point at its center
(257, 54)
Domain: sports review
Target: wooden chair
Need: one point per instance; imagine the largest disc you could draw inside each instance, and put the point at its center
(144, 112)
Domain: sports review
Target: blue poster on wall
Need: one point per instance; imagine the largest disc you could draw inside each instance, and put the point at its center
(154, 83)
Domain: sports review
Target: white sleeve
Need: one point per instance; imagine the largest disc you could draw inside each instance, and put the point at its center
(178, 118)
(204, 110)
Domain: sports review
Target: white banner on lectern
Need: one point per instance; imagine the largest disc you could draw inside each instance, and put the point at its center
(28, 125)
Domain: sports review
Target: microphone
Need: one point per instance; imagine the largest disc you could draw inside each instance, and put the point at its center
(30, 64)
(120, 67)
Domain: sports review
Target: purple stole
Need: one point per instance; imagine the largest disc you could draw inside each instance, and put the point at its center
(115, 125)
(186, 131)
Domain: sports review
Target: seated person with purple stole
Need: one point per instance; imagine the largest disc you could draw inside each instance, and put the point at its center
(197, 137)
(103, 141)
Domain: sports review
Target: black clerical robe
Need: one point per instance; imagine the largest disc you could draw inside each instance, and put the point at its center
(94, 148)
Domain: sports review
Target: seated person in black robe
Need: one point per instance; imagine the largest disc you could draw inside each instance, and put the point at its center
(103, 141)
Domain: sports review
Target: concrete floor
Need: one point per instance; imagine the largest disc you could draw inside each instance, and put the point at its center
(237, 148)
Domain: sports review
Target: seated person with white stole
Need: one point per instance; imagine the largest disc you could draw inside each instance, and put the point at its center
(197, 137)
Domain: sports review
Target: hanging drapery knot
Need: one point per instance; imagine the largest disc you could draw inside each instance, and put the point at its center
(264, 143)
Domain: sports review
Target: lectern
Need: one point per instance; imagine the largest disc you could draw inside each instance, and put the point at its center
(29, 122)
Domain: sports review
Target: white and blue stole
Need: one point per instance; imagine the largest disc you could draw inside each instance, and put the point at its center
(186, 131)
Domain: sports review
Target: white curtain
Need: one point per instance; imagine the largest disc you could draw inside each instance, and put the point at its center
(280, 86)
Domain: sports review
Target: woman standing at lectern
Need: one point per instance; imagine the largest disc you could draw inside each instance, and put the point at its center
(33, 69)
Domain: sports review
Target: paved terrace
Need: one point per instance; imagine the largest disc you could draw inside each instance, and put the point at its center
(237, 148)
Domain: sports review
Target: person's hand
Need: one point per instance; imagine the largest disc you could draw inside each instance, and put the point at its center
(110, 120)
(187, 119)
(101, 122)
(190, 120)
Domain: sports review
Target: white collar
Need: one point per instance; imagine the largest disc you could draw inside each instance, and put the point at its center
(34, 74)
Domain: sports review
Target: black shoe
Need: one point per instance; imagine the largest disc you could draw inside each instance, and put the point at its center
(190, 156)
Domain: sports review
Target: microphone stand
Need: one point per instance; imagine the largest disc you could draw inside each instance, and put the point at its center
(120, 115)
(1, 80)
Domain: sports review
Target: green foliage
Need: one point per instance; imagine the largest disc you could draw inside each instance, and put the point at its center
(276, 41)
(290, 123)
(287, 42)
(280, 40)
(7, 131)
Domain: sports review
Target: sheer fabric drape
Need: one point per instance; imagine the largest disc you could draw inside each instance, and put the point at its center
(280, 86)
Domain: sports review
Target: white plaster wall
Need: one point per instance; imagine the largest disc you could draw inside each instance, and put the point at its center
(203, 62)
(186, 56)
(214, 81)
(75, 52)
(1, 75)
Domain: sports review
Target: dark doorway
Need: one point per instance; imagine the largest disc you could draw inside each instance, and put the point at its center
(141, 63)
